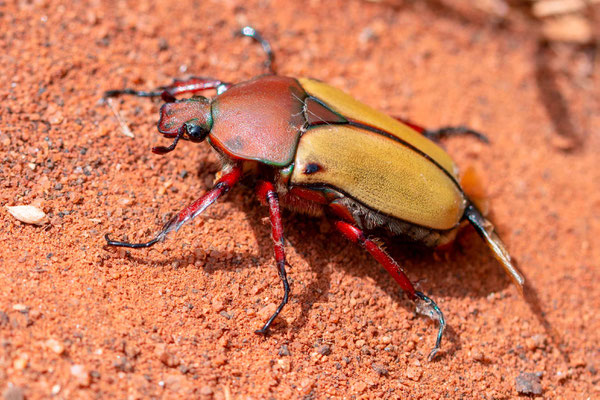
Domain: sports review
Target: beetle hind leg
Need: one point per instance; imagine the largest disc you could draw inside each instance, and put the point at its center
(267, 193)
(446, 131)
(425, 305)
(437, 134)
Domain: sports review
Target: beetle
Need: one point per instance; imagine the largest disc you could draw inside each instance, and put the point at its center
(312, 148)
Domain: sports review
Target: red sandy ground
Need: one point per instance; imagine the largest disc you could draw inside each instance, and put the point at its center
(80, 320)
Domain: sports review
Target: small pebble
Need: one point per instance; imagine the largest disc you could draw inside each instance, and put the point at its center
(380, 369)
(55, 390)
(360, 387)
(206, 390)
(122, 364)
(528, 383)
(306, 385)
(174, 382)
(170, 360)
(20, 362)
(414, 373)
(28, 214)
(386, 339)
(478, 355)
(284, 350)
(563, 143)
(81, 375)
(284, 364)
(56, 118)
(55, 346)
(21, 308)
(325, 350)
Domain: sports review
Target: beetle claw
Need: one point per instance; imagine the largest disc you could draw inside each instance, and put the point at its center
(428, 308)
(432, 354)
(117, 243)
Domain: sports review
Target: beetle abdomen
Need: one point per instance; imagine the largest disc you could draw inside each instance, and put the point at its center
(372, 221)
(379, 172)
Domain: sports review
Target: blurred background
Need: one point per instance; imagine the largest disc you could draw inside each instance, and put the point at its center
(79, 320)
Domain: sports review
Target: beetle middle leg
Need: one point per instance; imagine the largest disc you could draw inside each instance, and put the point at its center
(190, 212)
(425, 305)
(267, 193)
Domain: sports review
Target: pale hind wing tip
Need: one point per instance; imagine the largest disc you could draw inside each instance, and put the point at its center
(494, 242)
(486, 231)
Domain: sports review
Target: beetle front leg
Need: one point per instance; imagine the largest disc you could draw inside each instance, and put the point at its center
(179, 86)
(267, 193)
(190, 212)
(425, 305)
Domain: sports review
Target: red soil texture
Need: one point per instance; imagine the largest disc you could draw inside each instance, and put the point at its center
(81, 320)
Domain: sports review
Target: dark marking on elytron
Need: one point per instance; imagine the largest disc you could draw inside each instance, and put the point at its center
(312, 168)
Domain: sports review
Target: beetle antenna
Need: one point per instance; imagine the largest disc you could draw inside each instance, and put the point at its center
(165, 150)
(254, 34)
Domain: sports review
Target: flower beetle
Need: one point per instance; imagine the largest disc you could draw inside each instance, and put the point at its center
(314, 149)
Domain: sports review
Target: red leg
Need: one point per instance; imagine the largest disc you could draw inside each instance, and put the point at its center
(266, 193)
(437, 134)
(425, 305)
(168, 93)
(416, 127)
(190, 212)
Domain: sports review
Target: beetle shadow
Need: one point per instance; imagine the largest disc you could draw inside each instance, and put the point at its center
(435, 277)
(465, 263)
(296, 229)
(466, 271)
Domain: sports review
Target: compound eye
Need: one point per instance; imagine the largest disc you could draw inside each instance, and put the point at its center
(196, 133)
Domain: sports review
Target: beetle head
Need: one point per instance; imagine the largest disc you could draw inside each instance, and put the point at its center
(191, 114)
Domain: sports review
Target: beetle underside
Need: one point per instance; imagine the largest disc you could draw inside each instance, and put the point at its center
(373, 221)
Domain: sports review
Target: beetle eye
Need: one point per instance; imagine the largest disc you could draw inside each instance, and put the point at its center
(196, 133)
